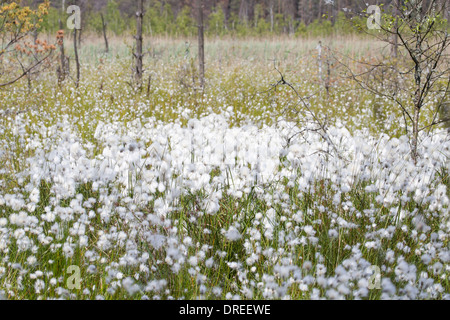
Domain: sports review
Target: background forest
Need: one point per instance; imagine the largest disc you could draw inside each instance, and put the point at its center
(174, 18)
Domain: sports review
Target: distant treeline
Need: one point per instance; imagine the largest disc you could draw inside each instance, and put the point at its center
(224, 17)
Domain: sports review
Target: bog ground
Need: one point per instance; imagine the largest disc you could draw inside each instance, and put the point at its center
(231, 192)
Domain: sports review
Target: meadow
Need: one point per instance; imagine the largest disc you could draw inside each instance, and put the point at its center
(226, 192)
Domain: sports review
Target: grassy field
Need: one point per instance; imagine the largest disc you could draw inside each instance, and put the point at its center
(231, 192)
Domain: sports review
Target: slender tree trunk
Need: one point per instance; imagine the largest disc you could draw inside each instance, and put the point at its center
(149, 85)
(415, 138)
(446, 10)
(227, 14)
(62, 68)
(139, 40)
(80, 32)
(301, 10)
(35, 35)
(319, 59)
(417, 108)
(328, 79)
(319, 15)
(201, 42)
(104, 33)
(271, 17)
(395, 35)
(77, 60)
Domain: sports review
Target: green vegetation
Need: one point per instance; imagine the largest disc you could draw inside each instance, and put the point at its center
(164, 18)
(335, 226)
